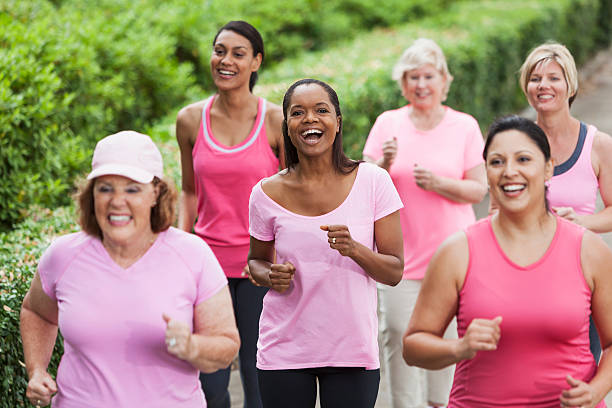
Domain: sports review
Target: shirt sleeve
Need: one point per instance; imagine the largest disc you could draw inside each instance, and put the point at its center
(374, 142)
(211, 279)
(261, 226)
(56, 259)
(387, 198)
(474, 145)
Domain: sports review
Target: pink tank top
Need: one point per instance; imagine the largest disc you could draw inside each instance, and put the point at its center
(545, 329)
(574, 183)
(224, 177)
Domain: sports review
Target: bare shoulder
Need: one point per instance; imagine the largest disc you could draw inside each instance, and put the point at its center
(595, 257)
(274, 114)
(275, 186)
(188, 120)
(602, 144)
(451, 259)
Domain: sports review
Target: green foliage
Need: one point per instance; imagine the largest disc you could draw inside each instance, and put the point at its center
(19, 253)
(485, 43)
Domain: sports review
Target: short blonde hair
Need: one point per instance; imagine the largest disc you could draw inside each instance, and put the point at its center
(551, 52)
(423, 51)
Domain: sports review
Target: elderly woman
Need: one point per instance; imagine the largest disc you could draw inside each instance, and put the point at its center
(142, 306)
(580, 152)
(322, 233)
(522, 284)
(433, 154)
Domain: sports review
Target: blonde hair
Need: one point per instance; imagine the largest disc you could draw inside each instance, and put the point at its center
(423, 51)
(551, 52)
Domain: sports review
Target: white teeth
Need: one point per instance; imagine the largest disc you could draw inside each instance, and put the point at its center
(223, 72)
(312, 132)
(545, 97)
(513, 187)
(119, 218)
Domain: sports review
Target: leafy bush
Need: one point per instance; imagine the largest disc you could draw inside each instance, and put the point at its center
(19, 253)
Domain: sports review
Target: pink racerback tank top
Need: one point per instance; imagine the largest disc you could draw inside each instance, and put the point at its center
(545, 329)
(224, 177)
(574, 183)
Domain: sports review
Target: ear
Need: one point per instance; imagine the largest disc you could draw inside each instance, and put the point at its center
(338, 123)
(156, 194)
(549, 169)
(256, 63)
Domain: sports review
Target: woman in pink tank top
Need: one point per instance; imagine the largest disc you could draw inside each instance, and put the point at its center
(522, 284)
(228, 143)
(581, 154)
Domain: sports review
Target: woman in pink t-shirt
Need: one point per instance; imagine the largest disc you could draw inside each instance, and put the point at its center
(322, 233)
(580, 152)
(228, 143)
(433, 154)
(142, 306)
(522, 284)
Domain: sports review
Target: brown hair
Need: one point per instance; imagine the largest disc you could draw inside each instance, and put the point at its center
(162, 215)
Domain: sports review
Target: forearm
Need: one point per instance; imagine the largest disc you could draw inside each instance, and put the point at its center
(212, 353)
(429, 351)
(602, 382)
(383, 268)
(188, 207)
(38, 338)
(260, 271)
(600, 222)
(460, 191)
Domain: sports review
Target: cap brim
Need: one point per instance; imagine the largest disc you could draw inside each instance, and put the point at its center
(133, 173)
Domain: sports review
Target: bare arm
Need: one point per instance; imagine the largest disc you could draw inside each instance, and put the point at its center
(275, 132)
(187, 123)
(423, 342)
(471, 189)
(596, 259)
(601, 221)
(38, 326)
(263, 270)
(389, 150)
(385, 265)
(214, 341)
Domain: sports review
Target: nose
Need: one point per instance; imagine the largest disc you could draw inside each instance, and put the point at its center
(309, 116)
(117, 199)
(421, 82)
(510, 169)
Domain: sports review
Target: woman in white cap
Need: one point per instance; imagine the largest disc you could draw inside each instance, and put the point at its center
(142, 306)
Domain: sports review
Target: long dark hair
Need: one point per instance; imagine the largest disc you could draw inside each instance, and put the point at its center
(250, 33)
(341, 163)
(529, 129)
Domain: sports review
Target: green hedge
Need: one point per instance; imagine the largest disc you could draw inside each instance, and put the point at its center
(485, 43)
(288, 27)
(19, 254)
(64, 84)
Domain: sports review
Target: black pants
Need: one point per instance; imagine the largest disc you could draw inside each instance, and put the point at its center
(594, 339)
(247, 299)
(340, 387)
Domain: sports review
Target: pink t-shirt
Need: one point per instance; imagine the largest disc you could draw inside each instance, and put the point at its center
(224, 177)
(448, 150)
(111, 319)
(545, 308)
(328, 315)
(574, 183)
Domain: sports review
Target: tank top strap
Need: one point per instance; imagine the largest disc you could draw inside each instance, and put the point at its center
(580, 145)
(588, 142)
(258, 128)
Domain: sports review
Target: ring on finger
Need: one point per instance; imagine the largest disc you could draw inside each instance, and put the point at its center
(171, 341)
(333, 240)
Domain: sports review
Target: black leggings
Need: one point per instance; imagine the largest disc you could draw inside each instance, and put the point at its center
(340, 387)
(247, 299)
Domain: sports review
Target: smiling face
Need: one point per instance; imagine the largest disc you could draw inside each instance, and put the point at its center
(232, 60)
(312, 122)
(516, 172)
(547, 89)
(423, 87)
(123, 209)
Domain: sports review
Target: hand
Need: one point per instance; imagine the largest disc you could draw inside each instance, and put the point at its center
(280, 276)
(425, 178)
(389, 149)
(178, 338)
(41, 388)
(568, 213)
(247, 272)
(481, 335)
(340, 239)
(580, 394)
